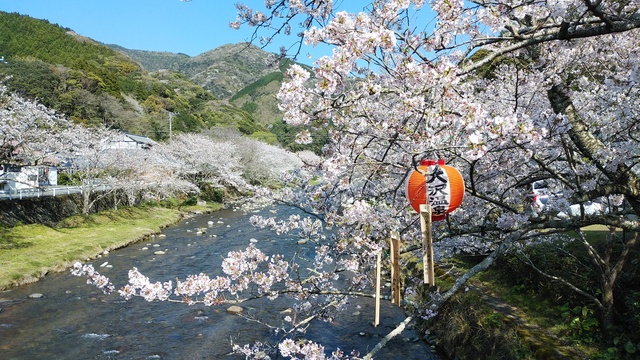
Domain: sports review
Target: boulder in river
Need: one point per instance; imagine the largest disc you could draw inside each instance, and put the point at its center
(235, 309)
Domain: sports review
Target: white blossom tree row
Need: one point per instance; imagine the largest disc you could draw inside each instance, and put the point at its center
(34, 135)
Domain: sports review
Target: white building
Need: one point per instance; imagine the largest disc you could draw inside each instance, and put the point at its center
(14, 177)
(130, 141)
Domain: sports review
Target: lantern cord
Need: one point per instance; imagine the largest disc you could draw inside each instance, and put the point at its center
(415, 163)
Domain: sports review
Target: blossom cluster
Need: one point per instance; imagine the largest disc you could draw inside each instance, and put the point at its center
(306, 227)
(240, 266)
(141, 286)
(93, 277)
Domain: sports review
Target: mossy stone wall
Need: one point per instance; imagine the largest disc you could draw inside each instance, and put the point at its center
(46, 210)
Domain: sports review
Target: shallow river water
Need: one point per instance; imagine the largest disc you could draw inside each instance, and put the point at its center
(72, 320)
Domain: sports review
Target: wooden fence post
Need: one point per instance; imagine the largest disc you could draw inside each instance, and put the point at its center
(427, 245)
(376, 320)
(395, 268)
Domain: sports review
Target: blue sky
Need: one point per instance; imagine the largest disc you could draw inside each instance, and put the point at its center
(158, 25)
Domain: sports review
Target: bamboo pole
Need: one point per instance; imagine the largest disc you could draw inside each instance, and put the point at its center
(376, 321)
(395, 268)
(427, 245)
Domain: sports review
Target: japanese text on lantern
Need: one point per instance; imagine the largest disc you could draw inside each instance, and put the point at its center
(437, 184)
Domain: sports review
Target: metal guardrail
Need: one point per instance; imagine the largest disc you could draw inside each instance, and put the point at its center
(45, 192)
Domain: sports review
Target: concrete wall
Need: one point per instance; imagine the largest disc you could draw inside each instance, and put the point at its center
(46, 210)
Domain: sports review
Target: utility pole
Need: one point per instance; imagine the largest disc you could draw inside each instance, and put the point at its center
(170, 124)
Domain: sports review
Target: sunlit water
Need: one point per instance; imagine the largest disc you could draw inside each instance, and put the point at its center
(73, 320)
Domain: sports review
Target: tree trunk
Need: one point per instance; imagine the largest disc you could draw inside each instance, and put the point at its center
(607, 307)
(86, 201)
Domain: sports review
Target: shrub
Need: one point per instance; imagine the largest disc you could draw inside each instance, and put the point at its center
(211, 193)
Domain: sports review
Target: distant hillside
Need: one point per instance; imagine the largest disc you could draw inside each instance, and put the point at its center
(245, 75)
(223, 71)
(154, 60)
(94, 84)
(242, 75)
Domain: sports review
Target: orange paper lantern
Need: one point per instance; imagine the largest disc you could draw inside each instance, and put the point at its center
(444, 184)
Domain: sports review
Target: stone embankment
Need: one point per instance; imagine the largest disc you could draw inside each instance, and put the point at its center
(46, 210)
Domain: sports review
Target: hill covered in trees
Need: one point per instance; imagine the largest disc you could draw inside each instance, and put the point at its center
(241, 74)
(136, 91)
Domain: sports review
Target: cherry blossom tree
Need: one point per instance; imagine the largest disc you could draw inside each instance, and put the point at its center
(263, 163)
(510, 92)
(148, 174)
(29, 132)
(201, 160)
(90, 157)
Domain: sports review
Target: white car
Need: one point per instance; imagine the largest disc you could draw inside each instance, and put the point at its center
(590, 208)
(541, 195)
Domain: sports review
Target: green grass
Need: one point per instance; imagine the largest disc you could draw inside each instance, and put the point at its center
(501, 316)
(28, 252)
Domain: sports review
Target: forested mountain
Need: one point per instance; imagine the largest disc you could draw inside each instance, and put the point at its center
(94, 84)
(242, 73)
(154, 60)
(223, 71)
(133, 90)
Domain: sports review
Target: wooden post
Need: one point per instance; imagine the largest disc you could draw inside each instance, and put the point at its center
(427, 245)
(376, 321)
(395, 268)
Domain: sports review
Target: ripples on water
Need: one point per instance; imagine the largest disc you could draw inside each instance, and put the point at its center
(73, 320)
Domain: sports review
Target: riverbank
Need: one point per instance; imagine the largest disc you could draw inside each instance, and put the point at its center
(29, 252)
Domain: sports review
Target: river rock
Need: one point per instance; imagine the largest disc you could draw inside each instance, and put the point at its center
(302, 242)
(36, 296)
(95, 336)
(159, 252)
(235, 309)
(253, 241)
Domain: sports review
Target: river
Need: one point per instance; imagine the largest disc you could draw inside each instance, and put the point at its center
(61, 317)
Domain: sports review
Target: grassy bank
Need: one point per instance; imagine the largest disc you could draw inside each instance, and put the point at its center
(512, 312)
(28, 252)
